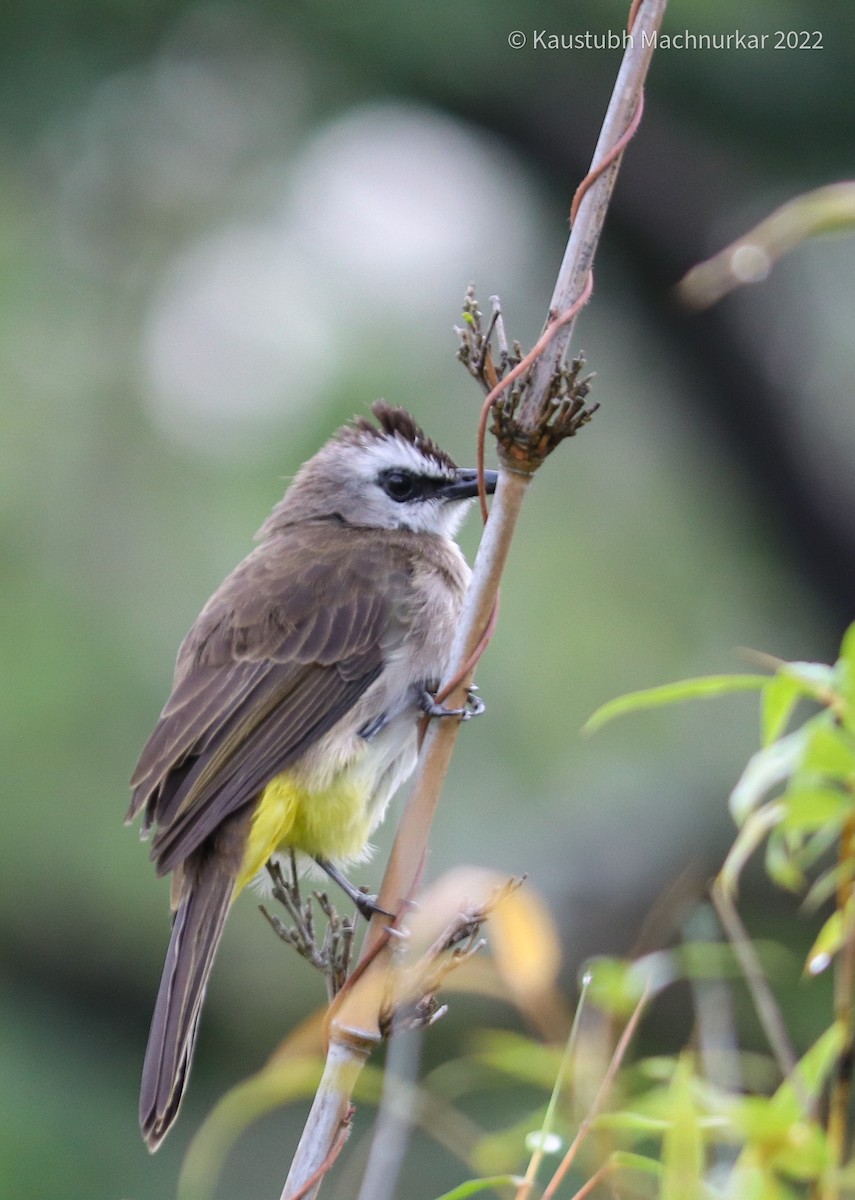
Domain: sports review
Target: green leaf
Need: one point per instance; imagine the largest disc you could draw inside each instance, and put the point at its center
(805, 1154)
(818, 844)
(518, 1057)
(776, 1130)
(674, 693)
(761, 1121)
(827, 943)
(752, 1178)
(810, 808)
(682, 1142)
(614, 985)
(829, 751)
(816, 679)
(781, 865)
(625, 1160)
(658, 1067)
(627, 1121)
(707, 960)
(779, 697)
(776, 1133)
(794, 681)
(499, 1150)
(815, 1066)
(752, 833)
(827, 884)
(767, 769)
(473, 1186)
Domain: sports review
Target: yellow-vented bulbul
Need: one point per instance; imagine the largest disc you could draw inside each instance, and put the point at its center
(296, 700)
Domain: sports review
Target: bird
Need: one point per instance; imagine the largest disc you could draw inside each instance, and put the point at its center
(297, 699)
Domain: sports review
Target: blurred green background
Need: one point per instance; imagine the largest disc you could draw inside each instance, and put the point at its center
(225, 228)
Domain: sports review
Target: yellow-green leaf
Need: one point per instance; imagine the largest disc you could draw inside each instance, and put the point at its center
(810, 808)
(682, 1142)
(814, 1069)
(626, 1121)
(752, 833)
(781, 865)
(614, 985)
(625, 1160)
(779, 697)
(473, 1186)
(702, 688)
(828, 942)
(829, 751)
(767, 769)
(816, 679)
(826, 885)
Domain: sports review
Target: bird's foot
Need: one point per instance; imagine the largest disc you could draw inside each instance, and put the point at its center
(364, 901)
(473, 707)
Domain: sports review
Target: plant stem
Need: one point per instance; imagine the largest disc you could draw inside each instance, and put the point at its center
(591, 215)
(327, 1119)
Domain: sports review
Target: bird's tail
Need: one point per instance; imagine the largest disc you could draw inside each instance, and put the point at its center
(196, 933)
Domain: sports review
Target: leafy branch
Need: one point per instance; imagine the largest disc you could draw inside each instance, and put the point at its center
(796, 797)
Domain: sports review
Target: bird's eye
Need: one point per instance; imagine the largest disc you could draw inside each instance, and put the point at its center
(399, 485)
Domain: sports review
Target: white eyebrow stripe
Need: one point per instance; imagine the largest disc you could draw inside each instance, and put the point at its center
(395, 453)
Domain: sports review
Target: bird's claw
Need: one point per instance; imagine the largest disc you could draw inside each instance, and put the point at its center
(473, 707)
(368, 907)
(365, 902)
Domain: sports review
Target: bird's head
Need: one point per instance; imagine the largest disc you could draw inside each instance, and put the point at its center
(384, 476)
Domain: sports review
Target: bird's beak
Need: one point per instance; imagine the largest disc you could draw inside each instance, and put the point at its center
(465, 484)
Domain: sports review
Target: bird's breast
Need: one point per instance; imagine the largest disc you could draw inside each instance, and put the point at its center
(330, 813)
(326, 804)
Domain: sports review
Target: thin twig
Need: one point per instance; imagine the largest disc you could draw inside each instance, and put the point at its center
(598, 1101)
(644, 21)
(602, 1172)
(546, 1127)
(750, 258)
(765, 1004)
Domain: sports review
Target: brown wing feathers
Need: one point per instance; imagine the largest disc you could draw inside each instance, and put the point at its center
(275, 742)
(272, 663)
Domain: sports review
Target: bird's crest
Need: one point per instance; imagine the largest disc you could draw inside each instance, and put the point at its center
(396, 423)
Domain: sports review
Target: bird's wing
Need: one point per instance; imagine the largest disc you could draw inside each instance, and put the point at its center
(280, 653)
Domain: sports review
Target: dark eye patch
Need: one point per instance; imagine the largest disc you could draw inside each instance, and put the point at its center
(401, 485)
